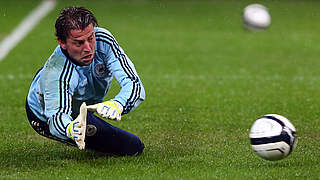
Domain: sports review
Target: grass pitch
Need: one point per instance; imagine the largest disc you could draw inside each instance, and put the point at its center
(207, 80)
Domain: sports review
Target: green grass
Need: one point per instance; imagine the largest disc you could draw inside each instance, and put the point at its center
(206, 78)
(12, 12)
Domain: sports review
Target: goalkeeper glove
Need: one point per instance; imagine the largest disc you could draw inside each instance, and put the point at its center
(76, 130)
(108, 109)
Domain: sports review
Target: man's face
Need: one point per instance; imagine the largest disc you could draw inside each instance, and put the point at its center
(80, 45)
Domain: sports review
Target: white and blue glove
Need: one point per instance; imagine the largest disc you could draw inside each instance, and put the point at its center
(108, 109)
(76, 130)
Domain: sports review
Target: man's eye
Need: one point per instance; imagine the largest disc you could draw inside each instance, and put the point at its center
(77, 43)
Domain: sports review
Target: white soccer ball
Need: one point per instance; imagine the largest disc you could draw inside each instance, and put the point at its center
(273, 137)
(256, 17)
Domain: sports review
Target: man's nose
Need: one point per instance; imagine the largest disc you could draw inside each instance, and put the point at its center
(86, 46)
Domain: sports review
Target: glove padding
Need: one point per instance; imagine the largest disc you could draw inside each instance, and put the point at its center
(76, 130)
(108, 109)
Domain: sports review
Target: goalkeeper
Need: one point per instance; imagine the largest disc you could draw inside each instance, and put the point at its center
(66, 98)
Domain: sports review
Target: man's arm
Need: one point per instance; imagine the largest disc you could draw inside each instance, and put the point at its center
(57, 82)
(132, 92)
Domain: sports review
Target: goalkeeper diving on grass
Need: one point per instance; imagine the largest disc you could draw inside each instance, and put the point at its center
(66, 100)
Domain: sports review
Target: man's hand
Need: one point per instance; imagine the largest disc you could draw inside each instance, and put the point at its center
(76, 130)
(108, 109)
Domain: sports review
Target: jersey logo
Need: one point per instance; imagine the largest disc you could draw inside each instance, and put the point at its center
(100, 70)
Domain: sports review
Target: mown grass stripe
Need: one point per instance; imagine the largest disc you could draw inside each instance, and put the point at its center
(25, 27)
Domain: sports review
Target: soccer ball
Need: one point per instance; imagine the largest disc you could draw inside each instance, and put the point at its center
(273, 137)
(256, 17)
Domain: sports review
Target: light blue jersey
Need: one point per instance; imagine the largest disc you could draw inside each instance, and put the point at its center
(60, 87)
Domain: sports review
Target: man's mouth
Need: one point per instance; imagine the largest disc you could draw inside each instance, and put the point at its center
(88, 57)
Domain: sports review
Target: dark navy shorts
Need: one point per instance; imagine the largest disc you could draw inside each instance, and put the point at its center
(100, 136)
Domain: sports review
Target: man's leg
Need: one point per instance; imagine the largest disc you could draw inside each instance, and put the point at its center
(100, 136)
(103, 137)
(42, 128)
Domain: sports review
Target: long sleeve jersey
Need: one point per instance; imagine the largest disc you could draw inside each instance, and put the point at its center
(60, 87)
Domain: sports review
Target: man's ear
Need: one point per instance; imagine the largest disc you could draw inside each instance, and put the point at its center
(62, 44)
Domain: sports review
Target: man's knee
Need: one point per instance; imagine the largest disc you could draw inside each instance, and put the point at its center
(134, 148)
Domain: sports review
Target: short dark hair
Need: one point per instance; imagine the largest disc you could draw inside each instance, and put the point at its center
(73, 18)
